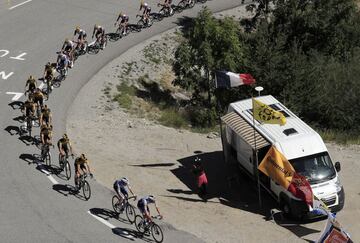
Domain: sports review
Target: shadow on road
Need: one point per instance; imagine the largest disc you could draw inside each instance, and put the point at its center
(29, 158)
(27, 140)
(128, 234)
(16, 104)
(65, 189)
(13, 130)
(155, 165)
(106, 214)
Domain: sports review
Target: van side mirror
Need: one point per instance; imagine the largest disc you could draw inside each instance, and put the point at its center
(337, 166)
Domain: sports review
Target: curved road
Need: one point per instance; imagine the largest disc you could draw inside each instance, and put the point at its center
(36, 206)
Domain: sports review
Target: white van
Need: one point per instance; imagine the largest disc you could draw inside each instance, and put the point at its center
(297, 141)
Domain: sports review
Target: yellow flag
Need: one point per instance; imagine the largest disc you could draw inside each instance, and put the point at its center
(277, 167)
(266, 114)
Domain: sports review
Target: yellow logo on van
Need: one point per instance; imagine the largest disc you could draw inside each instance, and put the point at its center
(265, 114)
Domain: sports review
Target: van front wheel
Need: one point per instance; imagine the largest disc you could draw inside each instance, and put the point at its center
(286, 210)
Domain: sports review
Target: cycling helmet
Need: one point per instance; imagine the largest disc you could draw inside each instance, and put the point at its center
(82, 156)
(48, 64)
(96, 26)
(67, 40)
(77, 28)
(125, 179)
(65, 136)
(31, 77)
(197, 159)
(151, 197)
(145, 4)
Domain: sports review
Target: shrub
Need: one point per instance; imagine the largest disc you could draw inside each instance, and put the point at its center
(172, 118)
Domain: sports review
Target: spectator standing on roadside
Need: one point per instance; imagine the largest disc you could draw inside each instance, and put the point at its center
(199, 172)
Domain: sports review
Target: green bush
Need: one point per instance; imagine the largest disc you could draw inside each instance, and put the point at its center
(203, 117)
(124, 100)
(172, 118)
(124, 88)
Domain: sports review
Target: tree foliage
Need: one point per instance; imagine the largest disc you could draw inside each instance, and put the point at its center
(304, 52)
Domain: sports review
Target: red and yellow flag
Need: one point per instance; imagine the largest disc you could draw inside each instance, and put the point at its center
(279, 169)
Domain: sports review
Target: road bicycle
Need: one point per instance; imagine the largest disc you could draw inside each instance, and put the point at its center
(156, 17)
(184, 4)
(64, 165)
(95, 47)
(125, 206)
(145, 227)
(84, 185)
(45, 154)
(80, 49)
(142, 23)
(165, 10)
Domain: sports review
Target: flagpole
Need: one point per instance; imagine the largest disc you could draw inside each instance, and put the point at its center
(258, 89)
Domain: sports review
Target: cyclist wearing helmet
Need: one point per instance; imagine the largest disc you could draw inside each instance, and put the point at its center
(46, 134)
(81, 37)
(68, 46)
(144, 208)
(29, 107)
(62, 61)
(31, 82)
(49, 74)
(146, 11)
(64, 146)
(120, 189)
(123, 20)
(38, 97)
(99, 33)
(81, 164)
(45, 116)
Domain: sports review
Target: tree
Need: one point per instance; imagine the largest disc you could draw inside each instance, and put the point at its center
(210, 45)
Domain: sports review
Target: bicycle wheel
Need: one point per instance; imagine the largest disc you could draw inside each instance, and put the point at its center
(157, 233)
(86, 190)
(130, 213)
(67, 170)
(48, 158)
(141, 23)
(139, 224)
(180, 7)
(116, 204)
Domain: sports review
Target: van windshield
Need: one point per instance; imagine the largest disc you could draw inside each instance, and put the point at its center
(316, 168)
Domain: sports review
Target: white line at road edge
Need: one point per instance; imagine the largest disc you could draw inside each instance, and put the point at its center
(122, 232)
(17, 5)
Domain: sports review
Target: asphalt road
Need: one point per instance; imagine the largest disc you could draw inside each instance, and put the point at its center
(36, 206)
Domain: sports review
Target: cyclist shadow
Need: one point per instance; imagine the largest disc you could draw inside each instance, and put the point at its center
(16, 104)
(13, 130)
(129, 234)
(29, 158)
(67, 190)
(20, 119)
(107, 214)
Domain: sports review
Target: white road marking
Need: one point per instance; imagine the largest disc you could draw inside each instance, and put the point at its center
(16, 95)
(19, 57)
(122, 232)
(17, 5)
(4, 75)
(5, 52)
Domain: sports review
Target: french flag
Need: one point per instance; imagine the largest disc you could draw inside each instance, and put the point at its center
(228, 79)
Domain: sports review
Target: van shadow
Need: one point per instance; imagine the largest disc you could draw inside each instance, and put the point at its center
(231, 187)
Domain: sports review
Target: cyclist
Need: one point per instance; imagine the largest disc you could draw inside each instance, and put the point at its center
(81, 37)
(120, 189)
(144, 208)
(64, 146)
(124, 21)
(99, 33)
(167, 4)
(62, 61)
(29, 107)
(49, 74)
(31, 82)
(68, 50)
(38, 97)
(81, 163)
(46, 134)
(146, 11)
(45, 116)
